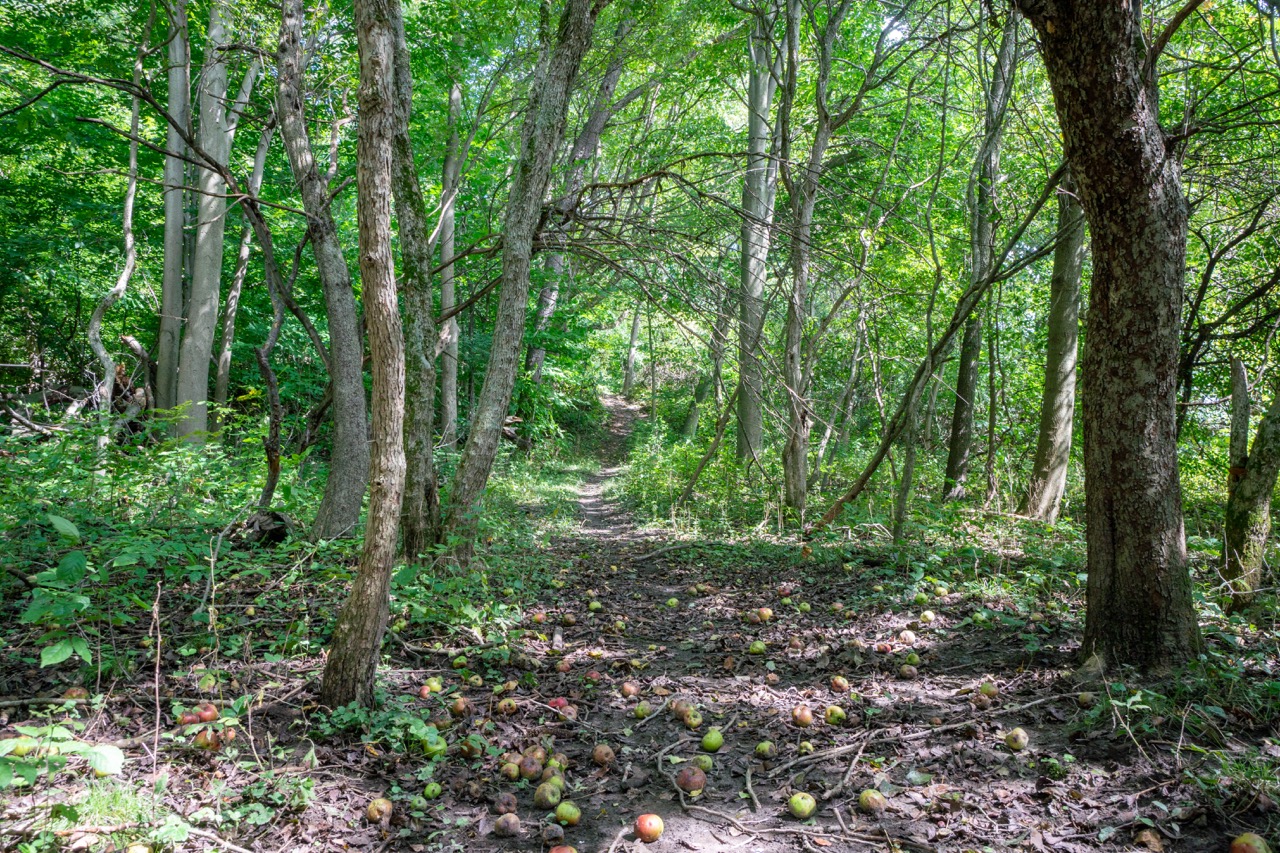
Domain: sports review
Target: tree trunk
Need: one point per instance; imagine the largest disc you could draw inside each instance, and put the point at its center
(1140, 608)
(701, 391)
(540, 139)
(222, 377)
(758, 193)
(548, 296)
(420, 513)
(106, 387)
(215, 136)
(357, 638)
(449, 355)
(339, 511)
(171, 302)
(633, 347)
(1251, 482)
(1057, 409)
(982, 217)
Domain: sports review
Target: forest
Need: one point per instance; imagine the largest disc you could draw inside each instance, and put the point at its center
(592, 426)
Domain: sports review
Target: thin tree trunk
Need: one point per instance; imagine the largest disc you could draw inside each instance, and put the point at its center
(357, 638)
(548, 296)
(982, 217)
(633, 347)
(106, 387)
(339, 510)
(1057, 408)
(903, 496)
(543, 130)
(420, 513)
(171, 301)
(1139, 601)
(215, 136)
(758, 193)
(1250, 484)
(449, 355)
(701, 391)
(222, 378)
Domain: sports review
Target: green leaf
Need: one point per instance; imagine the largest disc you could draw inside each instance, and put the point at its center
(56, 653)
(64, 527)
(73, 567)
(105, 759)
(80, 647)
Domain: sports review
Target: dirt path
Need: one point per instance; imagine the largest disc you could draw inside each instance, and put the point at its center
(600, 517)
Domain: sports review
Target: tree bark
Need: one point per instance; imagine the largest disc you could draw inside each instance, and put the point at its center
(357, 638)
(701, 391)
(540, 138)
(448, 298)
(171, 301)
(982, 216)
(339, 511)
(633, 347)
(222, 376)
(215, 136)
(1057, 408)
(1139, 608)
(1251, 482)
(758, 193)
(420, 513)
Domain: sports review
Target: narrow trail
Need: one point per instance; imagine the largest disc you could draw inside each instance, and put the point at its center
(600, 517)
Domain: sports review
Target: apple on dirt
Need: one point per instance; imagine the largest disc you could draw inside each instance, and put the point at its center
(507, 826)
(872, 802)
(802, 805)
(691, 780)
(379, 810)
(1250, 843)
(648, 828)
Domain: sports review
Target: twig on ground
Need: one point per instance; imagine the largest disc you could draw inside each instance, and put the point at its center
(755, 803)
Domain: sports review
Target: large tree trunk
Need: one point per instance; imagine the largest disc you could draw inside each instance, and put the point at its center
(758, 193)
(982, 218)
(1140, 609)
(171, 302)
(1057, 408)
(357, 637)
(421, 511)
(1252, 481)
(215, 136)
(222, 376)
(339, 511)
(540, 139)
(448, 298)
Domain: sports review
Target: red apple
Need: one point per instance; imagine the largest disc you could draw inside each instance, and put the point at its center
(648, 828)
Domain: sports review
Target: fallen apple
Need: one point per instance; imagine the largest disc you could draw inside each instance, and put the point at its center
(432, 790)
(1085, 699)
(913, 659)
(568, 813)
(1016, 740)
(802, 805)
(673, 602)
(630, 689)
(907, 638)
(568, 620)
(927, 617)
(530, 767)
(553, 833)
(507, 706)
(805, 607)
(835, 715)
(206, 739)
(207, 712)
(379, 810)
(872, 801)
(989, 689)
(839, 684)
(595, 607)
(460, 707)
(907, 672)
(757, 647)
(691, 779)
(693, 719)
(603, 754)
(643, 709)
(802, 716)
(505, 803)
(648, 828)
(713, 740)
(507, 826)
(547, 795)
(703, 762)
(75, 693)
(1250, 843)
(766, 613)
(766, 751)
(509, 771)
(805, 747)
